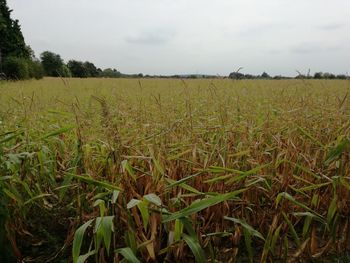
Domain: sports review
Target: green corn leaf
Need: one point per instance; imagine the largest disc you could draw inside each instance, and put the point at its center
(107, 228)
(83, 258)
(57, 132)
(78, 240)
(127, 167)
(335, 152)
(89, 180)
(142, 206)
(292, 229)
(292, 199)
(132, 203)
(154, 199)
(202, 204)
(178, 230)
(115, 196)
(127, 253)
(195, 247)
(246, 226)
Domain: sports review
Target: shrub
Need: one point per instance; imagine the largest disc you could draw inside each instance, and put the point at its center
(36, 70)
(16, 68)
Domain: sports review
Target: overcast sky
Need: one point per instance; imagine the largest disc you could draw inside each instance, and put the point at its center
(192, 36)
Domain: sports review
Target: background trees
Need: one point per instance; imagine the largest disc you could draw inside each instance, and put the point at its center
(17, 60)
(52, 64)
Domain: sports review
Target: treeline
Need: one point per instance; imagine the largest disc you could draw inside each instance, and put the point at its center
(264, 75)
(17, 60)
(54, 66)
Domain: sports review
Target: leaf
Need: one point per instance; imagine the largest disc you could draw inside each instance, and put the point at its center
(202, 204)
(142, 206)
(133, 202)
(36, 197)
(78, 239)
(57, 132)
(107, 227)
(184, 186)
(307, 134)
(195, 247)
(246, 226)
(178, 230)
(127, 167)
(292, 229)
(115, 196)
(154, 199)
(332, 209)
(291, 198)
(83, 258)
(101, 204)
(89, 180)
(335, 153)
(127, 253)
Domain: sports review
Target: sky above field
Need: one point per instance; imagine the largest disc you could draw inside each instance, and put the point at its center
(192, 36)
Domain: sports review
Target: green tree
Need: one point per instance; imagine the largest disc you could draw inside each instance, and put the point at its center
(77, 69)
(52, 64)
(16, 68)
(91, 69)
(11, 40)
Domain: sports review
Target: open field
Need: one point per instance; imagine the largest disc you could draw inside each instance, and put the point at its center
(171, 170)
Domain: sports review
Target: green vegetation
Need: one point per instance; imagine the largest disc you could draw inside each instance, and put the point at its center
(170, 170)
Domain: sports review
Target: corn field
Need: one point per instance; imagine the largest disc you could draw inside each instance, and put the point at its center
(167, 170)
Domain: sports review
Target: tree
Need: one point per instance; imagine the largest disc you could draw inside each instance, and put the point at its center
(265, 75)
(318, 75)
(236, 75)
(91, 69)
(77, 69)
(110, 73)
(52, 64)
(11, 40)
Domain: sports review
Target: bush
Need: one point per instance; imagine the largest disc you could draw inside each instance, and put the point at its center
(16, 68)
(65, 72)
(36, 70)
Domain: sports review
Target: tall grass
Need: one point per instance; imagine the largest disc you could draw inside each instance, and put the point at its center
(168, 170)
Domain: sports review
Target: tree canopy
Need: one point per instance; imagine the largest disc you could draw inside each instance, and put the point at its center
(12, 41)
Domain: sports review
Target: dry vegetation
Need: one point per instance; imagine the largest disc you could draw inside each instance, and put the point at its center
(171, 170)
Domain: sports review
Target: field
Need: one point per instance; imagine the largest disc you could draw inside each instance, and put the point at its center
(165, 170)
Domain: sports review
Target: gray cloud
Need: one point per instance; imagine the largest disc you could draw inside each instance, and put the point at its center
(150, 38)
(331, 26)
(311, 48)
(192, 36)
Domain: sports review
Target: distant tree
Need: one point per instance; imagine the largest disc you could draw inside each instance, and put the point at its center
(318, 75)
(110, 73)
(52, 64)
(35, 69)
(91, 69)
(16, 68)
(342, 76)
(11, 38)
(265, 76)
(65, 71)
(77, 69)
(236, 75)
(328, 75)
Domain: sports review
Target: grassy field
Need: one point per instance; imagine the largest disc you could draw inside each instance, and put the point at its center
(170, 170)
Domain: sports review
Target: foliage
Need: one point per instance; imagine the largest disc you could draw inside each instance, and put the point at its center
(35, 68)
(109, 170)
(110, 73)
(82, 69)
(11, 40)
(52, 63)
(16, 68)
